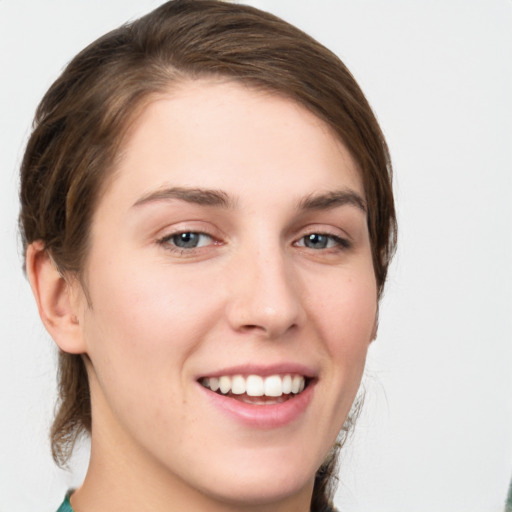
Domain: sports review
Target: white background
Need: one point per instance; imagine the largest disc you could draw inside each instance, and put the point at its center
(436, 434)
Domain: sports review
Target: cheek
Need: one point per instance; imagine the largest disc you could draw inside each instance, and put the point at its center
(345, 316)
(142, 327)
(147, 307)
(346, 311)
(140, 333)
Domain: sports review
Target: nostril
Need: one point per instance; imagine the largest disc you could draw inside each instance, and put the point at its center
(251, 327)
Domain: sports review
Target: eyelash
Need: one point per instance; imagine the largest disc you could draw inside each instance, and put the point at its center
(335, 242)
(167, 241)
(339, 243)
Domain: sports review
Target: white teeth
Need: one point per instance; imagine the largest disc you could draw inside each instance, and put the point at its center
(213, 383)
(296, 383)
(238, 385)
(287, 384)
(255, 385)
(225, 384)
(273, 386)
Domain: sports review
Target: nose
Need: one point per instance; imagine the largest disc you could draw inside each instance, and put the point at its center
(265, 297)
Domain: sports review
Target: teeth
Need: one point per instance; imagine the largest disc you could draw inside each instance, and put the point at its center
(273, 386)
(296, 384)
(238, 385)
(287, 384)
(213, 383)
(255, 385)
(225, 384)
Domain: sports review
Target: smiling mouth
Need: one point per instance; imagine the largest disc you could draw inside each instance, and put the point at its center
(255, 389)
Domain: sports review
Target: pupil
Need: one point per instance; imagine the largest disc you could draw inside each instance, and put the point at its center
(316, 241)
(186, 240)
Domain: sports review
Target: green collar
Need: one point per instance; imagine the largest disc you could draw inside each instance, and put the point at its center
(66, 505)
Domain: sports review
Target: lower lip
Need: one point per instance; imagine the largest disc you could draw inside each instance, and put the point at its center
(263, 416)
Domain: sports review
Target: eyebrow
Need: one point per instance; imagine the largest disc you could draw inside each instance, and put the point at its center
(200, 196)
(219, 198)
(331, 200)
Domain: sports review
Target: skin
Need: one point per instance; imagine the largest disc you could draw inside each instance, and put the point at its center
(252, 291)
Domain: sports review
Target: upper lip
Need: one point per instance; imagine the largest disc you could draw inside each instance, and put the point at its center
(263, 370)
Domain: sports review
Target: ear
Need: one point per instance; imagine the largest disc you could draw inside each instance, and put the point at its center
(54, 296)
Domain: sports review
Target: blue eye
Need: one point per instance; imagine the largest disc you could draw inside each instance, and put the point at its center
(188, 240)
(322, 241)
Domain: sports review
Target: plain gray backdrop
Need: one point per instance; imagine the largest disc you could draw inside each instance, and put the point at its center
(436, 432)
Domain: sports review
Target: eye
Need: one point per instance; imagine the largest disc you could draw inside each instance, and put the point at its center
(187, 240)
(322, 241)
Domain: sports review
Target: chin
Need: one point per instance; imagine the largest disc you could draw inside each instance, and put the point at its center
(260, 483)
(269, 490)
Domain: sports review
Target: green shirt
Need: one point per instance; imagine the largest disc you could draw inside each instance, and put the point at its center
(66, 506)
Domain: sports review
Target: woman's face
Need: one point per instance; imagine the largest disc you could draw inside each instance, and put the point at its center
(230, 249)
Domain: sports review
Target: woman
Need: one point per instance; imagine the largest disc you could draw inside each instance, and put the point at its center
(208, 219)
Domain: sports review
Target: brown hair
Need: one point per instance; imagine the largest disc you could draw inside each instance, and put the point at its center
(81, 121)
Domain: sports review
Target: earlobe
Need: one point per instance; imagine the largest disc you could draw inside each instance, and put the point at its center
(53, 297)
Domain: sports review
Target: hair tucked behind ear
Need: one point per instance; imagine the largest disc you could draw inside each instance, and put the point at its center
(81, 123)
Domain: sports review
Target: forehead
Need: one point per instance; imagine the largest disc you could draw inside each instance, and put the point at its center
(219, 133)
